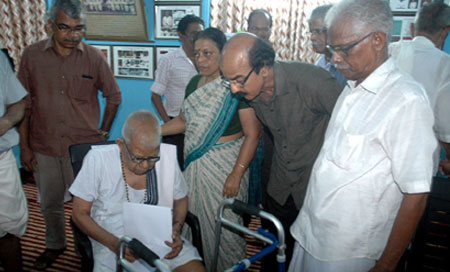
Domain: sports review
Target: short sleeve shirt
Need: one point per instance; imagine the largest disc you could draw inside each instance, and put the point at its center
(11, 91)
(173, 73)
(378, 145)
(431, 68)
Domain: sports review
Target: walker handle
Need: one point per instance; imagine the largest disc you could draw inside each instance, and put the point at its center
(142, 252)
(239, 206)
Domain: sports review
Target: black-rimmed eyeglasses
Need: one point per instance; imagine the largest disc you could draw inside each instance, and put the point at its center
(344, 50)
(227, 83)
(138, 160)
(78, 29)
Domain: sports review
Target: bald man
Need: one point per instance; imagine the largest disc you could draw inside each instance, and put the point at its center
(260, 23)
(136, 169)
(294, 100)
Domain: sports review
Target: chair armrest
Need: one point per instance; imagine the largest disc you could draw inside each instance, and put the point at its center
(192, 221)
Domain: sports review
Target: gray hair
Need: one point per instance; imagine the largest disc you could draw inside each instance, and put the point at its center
(320, 12)
(73, 8)
(366, 16)
(143, 125)
(432, 18)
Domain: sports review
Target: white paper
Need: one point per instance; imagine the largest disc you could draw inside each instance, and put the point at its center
(152, 225)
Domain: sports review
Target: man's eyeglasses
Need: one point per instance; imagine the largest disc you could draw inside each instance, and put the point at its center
(344, 50)
(78, 29)
(138, 160)
(227, 83)
(317, 31)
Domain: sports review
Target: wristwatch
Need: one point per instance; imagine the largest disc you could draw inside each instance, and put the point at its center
(105, 133)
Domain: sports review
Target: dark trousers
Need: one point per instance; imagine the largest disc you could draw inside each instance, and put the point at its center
(178, 140)
(287, 214)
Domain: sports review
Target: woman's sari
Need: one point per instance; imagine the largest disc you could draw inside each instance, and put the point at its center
(208, 112)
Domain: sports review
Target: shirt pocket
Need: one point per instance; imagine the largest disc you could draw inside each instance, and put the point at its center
(81, 89)
(347, 150)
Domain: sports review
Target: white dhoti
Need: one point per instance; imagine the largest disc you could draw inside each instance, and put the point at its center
(13, 203)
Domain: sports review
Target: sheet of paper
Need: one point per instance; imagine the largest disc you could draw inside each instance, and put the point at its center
(152, 225)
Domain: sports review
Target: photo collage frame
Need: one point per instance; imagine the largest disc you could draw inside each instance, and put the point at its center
(135, 61)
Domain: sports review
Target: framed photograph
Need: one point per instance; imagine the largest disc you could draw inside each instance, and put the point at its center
(117, 20)
(402, 29)
(168, 16)
(161, 50)
(133, 61)
(106, 50)
(405, 5)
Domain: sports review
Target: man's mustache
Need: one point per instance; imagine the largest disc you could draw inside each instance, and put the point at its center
(74, 40)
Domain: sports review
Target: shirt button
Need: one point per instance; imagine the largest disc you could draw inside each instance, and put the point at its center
(284, 146)
(279, 129)
(62, 91)
(63, 77)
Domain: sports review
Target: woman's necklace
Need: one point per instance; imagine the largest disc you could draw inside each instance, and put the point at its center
(126, 185)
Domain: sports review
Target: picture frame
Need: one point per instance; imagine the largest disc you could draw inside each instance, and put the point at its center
(116, 20)
(133, 62)
(405, 5)
(168, 16)
(106, 50)
(401, 30)
(162, 50)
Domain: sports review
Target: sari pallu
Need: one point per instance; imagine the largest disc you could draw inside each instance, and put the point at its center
(208, 112)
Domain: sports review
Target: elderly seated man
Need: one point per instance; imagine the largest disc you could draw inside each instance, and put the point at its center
(138, 169)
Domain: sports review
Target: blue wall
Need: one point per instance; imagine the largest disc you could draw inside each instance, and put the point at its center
(447, 44)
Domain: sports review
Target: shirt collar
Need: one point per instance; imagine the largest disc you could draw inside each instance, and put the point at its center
(377, 79)
(50, 44)
(424, 41)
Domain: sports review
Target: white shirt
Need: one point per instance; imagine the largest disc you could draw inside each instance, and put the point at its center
(174, 72)
(11, 91)
(100, 181)
(431, 68)
(378, 145)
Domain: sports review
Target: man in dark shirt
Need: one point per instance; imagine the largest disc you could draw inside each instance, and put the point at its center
(294, 100)
(63, 76)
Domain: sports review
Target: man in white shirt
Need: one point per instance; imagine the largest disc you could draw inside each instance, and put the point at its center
(174, 71)
(13, 204)
(369, 184)
(318, 34)
(136, 169)
(425, 61)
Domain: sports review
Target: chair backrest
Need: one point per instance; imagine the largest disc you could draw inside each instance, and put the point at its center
(81, 240)
(78, 151)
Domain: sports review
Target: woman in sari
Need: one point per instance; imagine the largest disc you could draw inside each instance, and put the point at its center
(221, 136)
